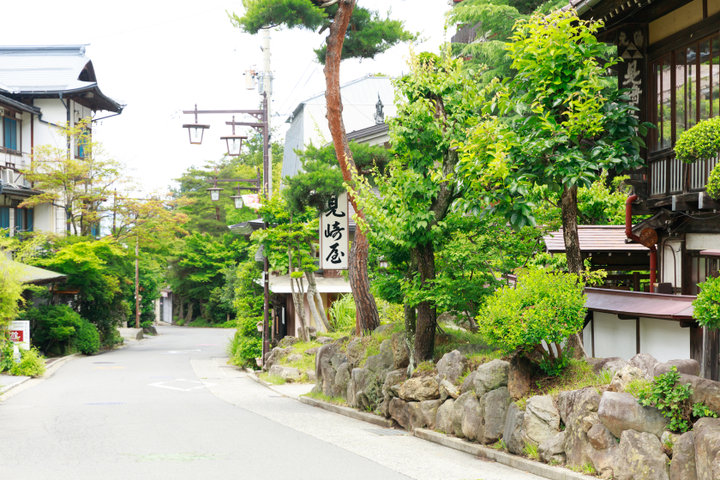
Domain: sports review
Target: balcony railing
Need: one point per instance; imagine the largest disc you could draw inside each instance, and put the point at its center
(670, 176)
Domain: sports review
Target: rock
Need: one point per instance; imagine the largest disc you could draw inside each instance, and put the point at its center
(384, 328)
(519, 377)
(513, 432)
(287, 341)
(448, 389)
(621, 411)
(422, 414)
(392, 379)
(613, 364)
(494, 410)
(541, 420)
(682, 466)
(459, 412)
(312, 378)
(642, 457)
(401, 355)
(355, 352)
(451, 366)
(577, 403)
(471, 423)
(276, 354)
(312, 351)
(312, 333)
(327, 362)
(399, 412)
(150, 330)
(469, 382)
(419, 389)
(491, 375)
(600, 437)
(704, 390)
(624, 376)
(553, 448)
(707, 448)
(364, 389)
(578, 411)
(383, 361)
(645, 362)
(443, 418)
(342, 378)
(294, 357)
(684, 365)
(324, 340)
(289, 374)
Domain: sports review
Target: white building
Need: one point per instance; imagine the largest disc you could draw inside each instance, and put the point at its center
(42, 89)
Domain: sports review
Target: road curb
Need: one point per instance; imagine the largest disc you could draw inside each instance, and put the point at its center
(508, 459)
(51, 366)
(348, 412)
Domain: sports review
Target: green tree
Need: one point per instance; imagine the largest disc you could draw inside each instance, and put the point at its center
(11, 289)
(81, 181)
(353, 32)
(564, 121)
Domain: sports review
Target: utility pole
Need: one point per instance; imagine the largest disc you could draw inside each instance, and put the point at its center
(267, 89)
(137, 283)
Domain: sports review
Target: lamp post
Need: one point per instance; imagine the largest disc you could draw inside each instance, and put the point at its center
(261, 123)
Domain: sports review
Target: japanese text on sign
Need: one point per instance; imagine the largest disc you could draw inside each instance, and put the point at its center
(334, 233)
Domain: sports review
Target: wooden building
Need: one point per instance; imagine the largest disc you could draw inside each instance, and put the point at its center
(671, 68)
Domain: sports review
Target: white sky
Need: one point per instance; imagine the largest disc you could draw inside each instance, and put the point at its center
(161, 57)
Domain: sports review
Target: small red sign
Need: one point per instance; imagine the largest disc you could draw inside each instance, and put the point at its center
(16, 336)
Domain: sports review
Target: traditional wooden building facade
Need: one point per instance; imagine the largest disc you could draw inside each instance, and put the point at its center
(671, 68)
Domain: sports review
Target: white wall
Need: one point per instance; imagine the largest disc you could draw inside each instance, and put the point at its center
(702, 241)
(613, 337)
(671, 262)
(664, 339)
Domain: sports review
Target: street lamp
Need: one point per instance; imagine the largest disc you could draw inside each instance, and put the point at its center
(233, 142)
(195, 131)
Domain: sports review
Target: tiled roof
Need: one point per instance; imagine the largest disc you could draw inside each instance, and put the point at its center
(640, 304)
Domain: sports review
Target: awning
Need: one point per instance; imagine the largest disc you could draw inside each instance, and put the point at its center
(595, 238)
(710, 253)
(640, 304)
(37, 275)
(324, 284)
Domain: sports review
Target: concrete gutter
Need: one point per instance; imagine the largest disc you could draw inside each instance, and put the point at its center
(52, 365)
(514, 461)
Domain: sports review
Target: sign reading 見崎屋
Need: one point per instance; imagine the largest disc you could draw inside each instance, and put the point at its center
(20, 333)
(335, 234)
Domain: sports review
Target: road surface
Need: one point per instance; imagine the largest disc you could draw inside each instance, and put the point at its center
(169, 407)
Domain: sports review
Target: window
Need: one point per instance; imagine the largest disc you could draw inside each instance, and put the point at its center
(10, 132)
(5, 219)
(82, 144)
(686, 86)
(24, 218)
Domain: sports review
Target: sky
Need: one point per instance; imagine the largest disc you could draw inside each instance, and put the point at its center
(161, 57)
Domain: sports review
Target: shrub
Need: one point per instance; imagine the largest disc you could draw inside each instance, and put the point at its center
(244, 350)
(32, 364)
(673, 401)
(699, 142)
(342, 313)
(59, 330)
(544, 306)
(706, 306)
(6, 355)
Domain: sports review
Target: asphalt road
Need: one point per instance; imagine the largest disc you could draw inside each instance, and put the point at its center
(170, 408)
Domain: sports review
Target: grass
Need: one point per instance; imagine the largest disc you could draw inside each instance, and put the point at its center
(499, 445)
(326, 398)
(531, 451)
(272, 379)
(637, 385)
(578, 374)
(588, 469)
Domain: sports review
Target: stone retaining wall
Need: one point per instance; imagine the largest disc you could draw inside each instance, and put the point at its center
(591, 429)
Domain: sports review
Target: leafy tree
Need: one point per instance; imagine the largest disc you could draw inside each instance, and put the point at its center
(706, 306)
(58, 330)
(564, 120)
(81, 183)
(11, 289)
(543, 306)
(702, 142)
(353, 32)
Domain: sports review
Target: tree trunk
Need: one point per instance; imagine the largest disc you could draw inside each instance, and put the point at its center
(297, 297)
(426, 314)
(568, 204)
(315, 301)
(189, 315)
(367, 318)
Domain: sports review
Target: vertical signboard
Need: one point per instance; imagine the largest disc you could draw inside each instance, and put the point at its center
(335, 233)
(20, 333)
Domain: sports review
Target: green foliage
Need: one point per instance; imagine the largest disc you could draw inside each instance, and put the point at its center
(543, 307)
(342, 313)
(700, 142)
(637, 385)
(32, 364)
(673, 401)
(700, 410)
(244, 350)
(58, 330)
(102, 272)
(706, 306)
(367, 34)
(6, 355)
(11, 289)
(713, 183)
(531, 451)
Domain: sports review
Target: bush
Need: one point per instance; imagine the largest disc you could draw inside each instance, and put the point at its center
(342, 313)
(545, 307)
(673, 401)
(59, 330)
(6, 355)
(32, 364)
(699, 142)
(706, 306)
(244, 350)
